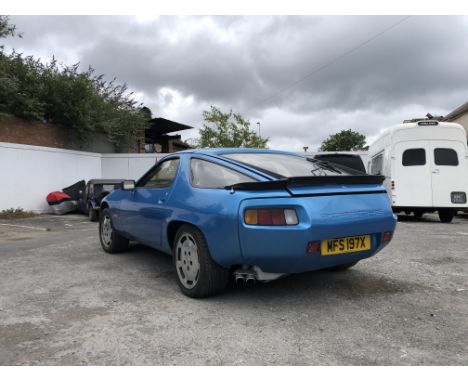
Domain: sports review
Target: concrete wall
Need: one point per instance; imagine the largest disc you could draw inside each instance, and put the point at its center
(29, 173)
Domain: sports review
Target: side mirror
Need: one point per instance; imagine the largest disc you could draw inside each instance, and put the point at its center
(128, 185)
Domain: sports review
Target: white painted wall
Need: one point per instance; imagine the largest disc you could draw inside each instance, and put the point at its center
(29, 173)
(127, 166)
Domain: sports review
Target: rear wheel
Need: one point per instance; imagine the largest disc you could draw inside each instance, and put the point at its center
(342, 267)
(197, 274)
(111, 240)
(446, 215)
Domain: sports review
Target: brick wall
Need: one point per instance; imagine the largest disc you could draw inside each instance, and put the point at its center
(17, 130)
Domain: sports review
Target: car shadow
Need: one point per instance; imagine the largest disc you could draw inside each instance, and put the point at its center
(354, 283)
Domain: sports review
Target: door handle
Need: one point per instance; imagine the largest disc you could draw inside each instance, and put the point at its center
(161, 201)
(436, 171)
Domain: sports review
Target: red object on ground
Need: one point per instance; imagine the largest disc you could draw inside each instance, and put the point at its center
(57, 197)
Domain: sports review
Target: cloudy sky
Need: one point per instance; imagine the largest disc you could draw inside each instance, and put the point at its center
(303, 78)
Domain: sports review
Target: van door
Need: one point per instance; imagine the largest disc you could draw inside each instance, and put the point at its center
(449, 171)
(411, 174)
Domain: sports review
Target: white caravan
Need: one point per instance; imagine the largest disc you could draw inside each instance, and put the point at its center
(425, 167)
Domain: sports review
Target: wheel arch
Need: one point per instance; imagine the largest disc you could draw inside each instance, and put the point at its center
(172, 228)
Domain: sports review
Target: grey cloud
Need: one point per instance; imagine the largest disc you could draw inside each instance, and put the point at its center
(236, 62)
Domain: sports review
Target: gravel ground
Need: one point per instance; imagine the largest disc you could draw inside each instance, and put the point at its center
(63, 301)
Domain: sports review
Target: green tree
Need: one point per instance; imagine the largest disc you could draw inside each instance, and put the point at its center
(7, 29)
(228, 130)
(345, 140)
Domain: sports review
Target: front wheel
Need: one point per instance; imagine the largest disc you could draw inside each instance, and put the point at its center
(446, 215)
(111, 240)
(198, 275)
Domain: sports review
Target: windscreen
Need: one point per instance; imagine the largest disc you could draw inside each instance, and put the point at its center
(286, 166)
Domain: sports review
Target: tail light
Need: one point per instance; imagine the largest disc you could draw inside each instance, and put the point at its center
(270, 216)
(387, 236)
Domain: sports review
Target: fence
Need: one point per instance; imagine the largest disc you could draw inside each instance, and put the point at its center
(29, 173)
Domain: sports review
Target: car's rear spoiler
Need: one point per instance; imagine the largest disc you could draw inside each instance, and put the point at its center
(286, 183)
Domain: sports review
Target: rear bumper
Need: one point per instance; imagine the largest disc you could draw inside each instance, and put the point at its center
(284, 249)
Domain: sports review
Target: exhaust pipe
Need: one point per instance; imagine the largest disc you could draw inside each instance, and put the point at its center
(240, 278)
(250, 280)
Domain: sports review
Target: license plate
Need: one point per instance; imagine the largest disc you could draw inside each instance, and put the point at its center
(346, 245)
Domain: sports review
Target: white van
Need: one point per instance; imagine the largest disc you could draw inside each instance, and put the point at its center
(425, 167)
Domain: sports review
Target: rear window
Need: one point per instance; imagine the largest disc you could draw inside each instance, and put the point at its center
(351, 161)
(414, 157)
(286, 166)
(211, 175)
(445, 157)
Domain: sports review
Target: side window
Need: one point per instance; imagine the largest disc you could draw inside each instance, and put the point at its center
(376, 165)
(206, 174)
(414, 157)
(445, 157)
(162, 176)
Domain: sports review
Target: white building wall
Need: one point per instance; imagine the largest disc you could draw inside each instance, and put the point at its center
(127, 166)
(29, 173)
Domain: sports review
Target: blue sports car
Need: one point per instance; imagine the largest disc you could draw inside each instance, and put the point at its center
(256, 215)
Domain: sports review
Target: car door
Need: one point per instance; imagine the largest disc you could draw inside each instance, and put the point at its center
(411, 174)
(449, 171)
(144, 211)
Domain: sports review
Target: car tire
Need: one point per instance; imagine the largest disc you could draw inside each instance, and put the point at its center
(446, 215)
(111, 240)
(198, 275)
(92, 214)
(342, 267)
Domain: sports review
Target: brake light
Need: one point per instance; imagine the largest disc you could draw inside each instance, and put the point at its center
(387, 236)
(270, 216)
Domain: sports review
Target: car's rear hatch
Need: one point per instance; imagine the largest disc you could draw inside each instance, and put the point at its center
(327, 208)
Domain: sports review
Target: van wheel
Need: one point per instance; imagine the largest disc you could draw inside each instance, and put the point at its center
(198, 275)
(418, 214)
(446, 215)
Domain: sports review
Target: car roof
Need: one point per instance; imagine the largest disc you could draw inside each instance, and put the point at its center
(234, 150)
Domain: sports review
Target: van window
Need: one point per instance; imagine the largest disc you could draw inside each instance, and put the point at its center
(445, 157)
(376, 165)
(414, 157)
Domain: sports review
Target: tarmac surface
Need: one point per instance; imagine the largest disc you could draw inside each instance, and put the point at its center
(63, 301)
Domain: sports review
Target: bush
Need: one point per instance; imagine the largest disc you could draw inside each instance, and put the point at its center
(80, 101)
